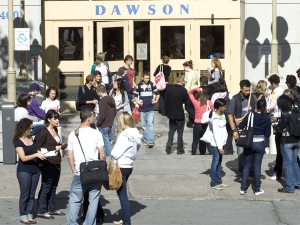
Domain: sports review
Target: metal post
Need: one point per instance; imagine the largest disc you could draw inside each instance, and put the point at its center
(274, 42)
(11, 72)
(23, 54)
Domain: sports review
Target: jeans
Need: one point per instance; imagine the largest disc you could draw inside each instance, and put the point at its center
(106, 132)
(147, 119)
(37, 128)
(173, 126)
(253, 157)
(28, 183)
(122, 193)
(50, 177)
(289, 153)
(215, 170)
(279, 160)
(198, 131)
(75, 199)
(241, 158)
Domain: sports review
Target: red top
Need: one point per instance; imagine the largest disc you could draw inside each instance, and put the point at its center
(199, 110)
(130, 74)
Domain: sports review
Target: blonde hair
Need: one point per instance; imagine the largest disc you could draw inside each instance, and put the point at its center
(217, 63)
(179, 79)
(261, 87)
(289, 93)
(99, 58)
(125, 121)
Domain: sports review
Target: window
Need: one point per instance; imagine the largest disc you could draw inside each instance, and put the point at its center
(113, 43)
(70, 43)
(212, 42)
(172, 41)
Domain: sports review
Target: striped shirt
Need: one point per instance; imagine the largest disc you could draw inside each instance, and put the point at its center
(145, 93)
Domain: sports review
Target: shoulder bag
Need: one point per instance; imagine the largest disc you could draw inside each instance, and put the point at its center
(245, 139)
(114, 176)
(93, 171)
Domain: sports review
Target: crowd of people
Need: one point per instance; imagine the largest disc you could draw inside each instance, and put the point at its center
(107, 128)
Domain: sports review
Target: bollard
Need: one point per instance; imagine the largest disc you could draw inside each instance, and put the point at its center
(8, 129)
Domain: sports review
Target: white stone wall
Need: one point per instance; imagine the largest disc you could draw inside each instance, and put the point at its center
(258, 35)
(33, 21)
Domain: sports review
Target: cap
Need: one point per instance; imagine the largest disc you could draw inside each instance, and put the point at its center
(34, 86)
(121, 71)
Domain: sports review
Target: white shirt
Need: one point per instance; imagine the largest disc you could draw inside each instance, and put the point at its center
(103, 70)
(91, 140)
(272, 95)
(47, 105)
(21, 113)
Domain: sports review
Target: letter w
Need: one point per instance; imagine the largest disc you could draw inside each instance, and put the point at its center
(132, 8)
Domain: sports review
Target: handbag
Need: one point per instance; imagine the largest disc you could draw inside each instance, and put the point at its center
(160, 81)
(136, 111)
(245, 139)
(207, 136)
(207, 114)
(114, 176)
(93, 171)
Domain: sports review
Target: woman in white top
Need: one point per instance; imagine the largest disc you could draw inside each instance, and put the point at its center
(125, 151)
(21, 112)
(191, 77)
(51, 101)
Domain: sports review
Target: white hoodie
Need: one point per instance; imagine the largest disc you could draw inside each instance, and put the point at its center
(126, 147)
(219, 131)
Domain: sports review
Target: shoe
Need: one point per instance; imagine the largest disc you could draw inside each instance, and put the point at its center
(259, 192)
(267, 150)
(190, 124)
(284, 190)
(25, 222)
(274, 177)
(242, 192)
(180, 152)
(224, 185)
(57, 213)
(217, 187)
(45, 216)
(32, 221)
(118, 222)
(150, 145)
(168, 149)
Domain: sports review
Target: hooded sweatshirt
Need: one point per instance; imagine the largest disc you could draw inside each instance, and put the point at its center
(219, 130)
(128, 143)
(261, 124)
(107, 112)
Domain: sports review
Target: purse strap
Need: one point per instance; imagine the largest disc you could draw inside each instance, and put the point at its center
(76, 132)
(161, 69)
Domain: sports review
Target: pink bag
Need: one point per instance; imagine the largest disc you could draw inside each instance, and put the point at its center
(160, 81)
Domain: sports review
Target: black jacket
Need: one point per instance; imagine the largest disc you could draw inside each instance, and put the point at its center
(176, 96)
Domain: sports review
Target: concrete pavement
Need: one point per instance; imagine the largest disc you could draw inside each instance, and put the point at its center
(171, 189)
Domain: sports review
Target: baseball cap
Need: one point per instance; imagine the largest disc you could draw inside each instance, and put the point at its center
(34, 86)
(121, 71)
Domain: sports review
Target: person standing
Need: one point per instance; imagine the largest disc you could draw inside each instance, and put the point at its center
(239, 106)
(125, 150)
(102, 66)
(191, 77)
(144, 98)
(254, 155)
(176, 96)
(167, 71)
(28, 172)
(215, 72)
(92, 145)
(51, 101)
(34, 108)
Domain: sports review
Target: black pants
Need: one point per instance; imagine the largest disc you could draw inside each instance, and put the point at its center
(198, 131)
(228, 146)
(176, 125)
(279, 159)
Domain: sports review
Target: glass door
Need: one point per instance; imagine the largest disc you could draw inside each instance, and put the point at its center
(212, 40)
(113, 39)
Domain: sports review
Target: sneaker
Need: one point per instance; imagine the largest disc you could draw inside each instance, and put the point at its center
(274, 177)
(242, 192)
(224, 185)
(284, 190)
(150, 145)
(180, 152)
(259, 192)
(217, 187)
(168, 149)
(267, 150)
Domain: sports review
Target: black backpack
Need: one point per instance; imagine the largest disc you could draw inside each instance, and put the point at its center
(294, 122)
(77, 105)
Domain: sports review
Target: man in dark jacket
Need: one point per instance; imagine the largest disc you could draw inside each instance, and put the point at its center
(107, 113)
(176, 96)
(88, 98)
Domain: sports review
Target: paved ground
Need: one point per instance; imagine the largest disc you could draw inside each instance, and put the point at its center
(171, 189)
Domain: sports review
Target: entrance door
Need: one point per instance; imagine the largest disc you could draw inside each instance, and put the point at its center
(212, 40)
(113, 39)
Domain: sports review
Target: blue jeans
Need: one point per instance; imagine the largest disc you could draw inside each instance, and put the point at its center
(75, 199)
(37, 128)
(28, 183)
(106, 139)
(122, 193)
(215, 170)
(147, 119)
(50, 177)
(241, 158)
(253, 157)
(289, 153)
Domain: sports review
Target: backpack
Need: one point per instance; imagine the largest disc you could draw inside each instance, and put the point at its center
(77, 105)
(294, 122)
(160, 81)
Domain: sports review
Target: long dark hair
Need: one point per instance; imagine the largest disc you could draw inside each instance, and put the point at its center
(51, 114)
(22, 127)
(121, 87)
(23, 100)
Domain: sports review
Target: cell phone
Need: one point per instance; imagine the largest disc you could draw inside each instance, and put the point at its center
(64, 145)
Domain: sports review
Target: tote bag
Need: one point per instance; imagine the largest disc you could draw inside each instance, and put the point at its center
(245, 139)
